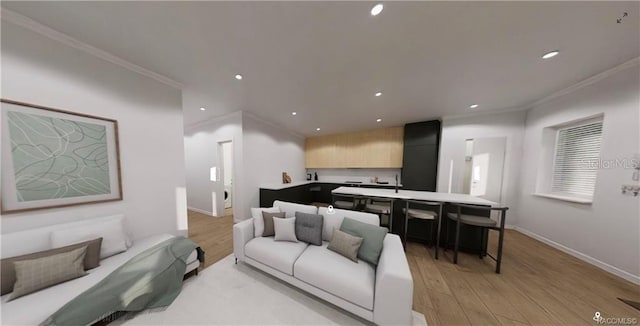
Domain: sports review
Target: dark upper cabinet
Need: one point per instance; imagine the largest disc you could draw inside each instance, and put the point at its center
(422, 133)
(420, 157)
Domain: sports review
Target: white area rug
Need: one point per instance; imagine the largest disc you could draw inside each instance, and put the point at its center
(227, 294)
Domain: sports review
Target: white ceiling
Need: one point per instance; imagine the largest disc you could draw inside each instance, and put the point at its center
(326, 60)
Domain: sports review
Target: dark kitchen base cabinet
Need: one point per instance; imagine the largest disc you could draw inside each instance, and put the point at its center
(316, 192)
(299, 194)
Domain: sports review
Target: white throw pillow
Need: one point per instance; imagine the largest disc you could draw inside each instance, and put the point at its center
(285, 229)
(258, 222)
(114, 240)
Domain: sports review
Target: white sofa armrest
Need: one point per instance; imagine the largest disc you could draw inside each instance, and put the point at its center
(394, 285)
(242, 233)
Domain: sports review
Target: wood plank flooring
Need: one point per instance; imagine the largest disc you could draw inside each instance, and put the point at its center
(213, 234)
(539, 285)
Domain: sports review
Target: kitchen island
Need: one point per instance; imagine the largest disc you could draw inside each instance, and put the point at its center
(472, 239)
(414, 195)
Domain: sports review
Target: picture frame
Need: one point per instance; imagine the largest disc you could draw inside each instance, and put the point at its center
(54, 158)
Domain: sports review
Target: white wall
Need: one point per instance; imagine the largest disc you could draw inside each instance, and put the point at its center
(262, 151)
(268, 150)
(607, 232)
(201, 153)
(39, 70)
(453, 147)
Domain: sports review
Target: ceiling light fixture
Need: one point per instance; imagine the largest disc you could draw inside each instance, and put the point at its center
(378, 94)
(239, 77)
(377, 9)
(294, 113)
(473, 106)
(317, 129)
(550, 54)
(202, 109)
(378, 120)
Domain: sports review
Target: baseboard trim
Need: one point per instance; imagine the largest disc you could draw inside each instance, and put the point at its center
(586, 258)
(201, 211)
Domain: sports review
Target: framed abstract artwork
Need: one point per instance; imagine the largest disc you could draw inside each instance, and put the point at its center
(56, 158)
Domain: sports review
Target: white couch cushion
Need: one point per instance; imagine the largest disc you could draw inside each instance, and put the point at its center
(258, 221)
(329, 271)
(277, 254)
(335, 220)
(291, 208)
(39, 239)
(111, 231)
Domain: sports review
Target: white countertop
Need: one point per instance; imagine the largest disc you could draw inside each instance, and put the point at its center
(415, 195)
(286, 185)
(302, 183)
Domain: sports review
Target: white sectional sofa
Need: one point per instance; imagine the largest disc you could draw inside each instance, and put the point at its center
(382, 294)
(34, 308)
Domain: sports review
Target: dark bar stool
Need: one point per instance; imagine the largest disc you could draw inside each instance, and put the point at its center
(423, 214)
(480, 221)
(347, 204)
(380, 207)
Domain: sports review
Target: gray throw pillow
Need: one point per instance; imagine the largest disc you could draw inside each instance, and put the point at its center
(8, 272)
(309, 228)
(345, 244)
(285, 229)
(268, 223)
(36, 274)
(372, 236)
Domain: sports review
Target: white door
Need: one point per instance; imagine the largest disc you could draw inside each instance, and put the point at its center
(479, 174)
(488, 168)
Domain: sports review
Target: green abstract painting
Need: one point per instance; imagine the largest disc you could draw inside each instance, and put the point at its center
(57, 158)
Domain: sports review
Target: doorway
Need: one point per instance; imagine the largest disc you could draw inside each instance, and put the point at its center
(484, 167)
(226, 152)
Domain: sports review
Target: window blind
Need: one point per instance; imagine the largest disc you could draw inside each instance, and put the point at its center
(576, 161)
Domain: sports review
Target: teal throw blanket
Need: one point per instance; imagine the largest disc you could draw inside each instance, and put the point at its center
(151, 279)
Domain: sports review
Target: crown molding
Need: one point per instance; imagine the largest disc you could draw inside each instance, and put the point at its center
(589, 81)
(218, 118)
(242, 114)
(584, 83)
(482, 113)
(271, 124)
(32, 25)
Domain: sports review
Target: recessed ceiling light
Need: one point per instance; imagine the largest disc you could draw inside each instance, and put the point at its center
(378, 93)
(473, 106)
(202, 109)
(377, 9)
(378, 120)
(294, 113)
(239, 77)
(317, 129)
(550, 54)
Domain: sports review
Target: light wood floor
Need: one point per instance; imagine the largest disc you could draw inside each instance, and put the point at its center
(539, 285)
(213, 234)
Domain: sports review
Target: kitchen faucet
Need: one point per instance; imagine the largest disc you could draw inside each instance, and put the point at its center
(396, 183)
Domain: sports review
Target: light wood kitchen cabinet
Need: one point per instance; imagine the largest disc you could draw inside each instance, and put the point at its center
(378, 148)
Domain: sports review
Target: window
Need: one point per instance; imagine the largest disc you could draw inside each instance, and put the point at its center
(575, 163)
